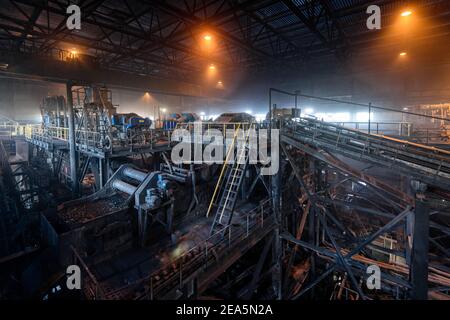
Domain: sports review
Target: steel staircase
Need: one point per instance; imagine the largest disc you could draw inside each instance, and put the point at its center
(229, 183)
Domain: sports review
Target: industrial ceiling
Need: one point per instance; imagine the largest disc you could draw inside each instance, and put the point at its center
(165, 39)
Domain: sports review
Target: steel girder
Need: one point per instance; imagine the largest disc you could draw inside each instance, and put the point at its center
(324, 25)
(414, 281)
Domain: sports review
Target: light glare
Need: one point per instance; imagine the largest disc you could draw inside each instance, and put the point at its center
(406, 13)
(74, 52)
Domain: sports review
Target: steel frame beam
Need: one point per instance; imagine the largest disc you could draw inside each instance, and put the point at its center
(334, 33)
(416, 286)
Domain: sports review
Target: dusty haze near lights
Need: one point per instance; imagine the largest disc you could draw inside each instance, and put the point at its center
(225, 150)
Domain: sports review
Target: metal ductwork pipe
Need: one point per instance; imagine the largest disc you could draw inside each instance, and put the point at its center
(135, 174)
(124, 187)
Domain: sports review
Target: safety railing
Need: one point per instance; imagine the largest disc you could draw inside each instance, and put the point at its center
(428, 163)
(205, 255)
(6, 131)
(89, 140)
(430, 136)
(342, 292)
(221, 175)
(85, 140)
(237, 171)
(91, 287)
(47, 135)
(402, 129)
(60, 133)
(37, 133)
(53, 53)
(92, 141)
(200, 257)
(208, 125)
(9, 131)
(28, 131)
(147, 139)
(405, 130)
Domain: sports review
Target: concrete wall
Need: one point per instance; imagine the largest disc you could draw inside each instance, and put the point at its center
(20, 100)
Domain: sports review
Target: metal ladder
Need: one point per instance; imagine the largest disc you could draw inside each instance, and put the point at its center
(230, 186)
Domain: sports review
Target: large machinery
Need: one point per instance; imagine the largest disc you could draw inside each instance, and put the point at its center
(235, 117)
(103, 223)
(101, 126)
(342, 200)
(103, 136)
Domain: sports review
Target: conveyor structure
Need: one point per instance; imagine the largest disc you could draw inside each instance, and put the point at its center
(349, 211)
(149, 193)
(427, 164)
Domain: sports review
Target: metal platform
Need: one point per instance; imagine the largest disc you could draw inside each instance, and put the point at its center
(89, 143)
(197, 267)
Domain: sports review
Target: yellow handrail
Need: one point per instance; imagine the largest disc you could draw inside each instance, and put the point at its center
(223, 169)
(235, 173)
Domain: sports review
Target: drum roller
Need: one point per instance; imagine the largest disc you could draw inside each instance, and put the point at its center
(124, 187)
(135, 174)
(127, 187)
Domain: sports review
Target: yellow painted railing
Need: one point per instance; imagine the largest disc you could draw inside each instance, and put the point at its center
(204, 125)
(227, 158)
(13, 130)
(238, 162)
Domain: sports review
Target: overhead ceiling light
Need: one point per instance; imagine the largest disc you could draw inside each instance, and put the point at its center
(403, 54)
(406, 13)
(212, 67)
(207, 37)
(219, 83)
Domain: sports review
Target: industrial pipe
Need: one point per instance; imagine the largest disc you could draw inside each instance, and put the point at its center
(72, 146)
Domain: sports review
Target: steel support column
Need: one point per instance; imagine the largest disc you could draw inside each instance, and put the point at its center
(419, 260)
(72, 146)
(277, 247)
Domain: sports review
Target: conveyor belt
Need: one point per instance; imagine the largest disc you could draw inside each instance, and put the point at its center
(428, 164)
